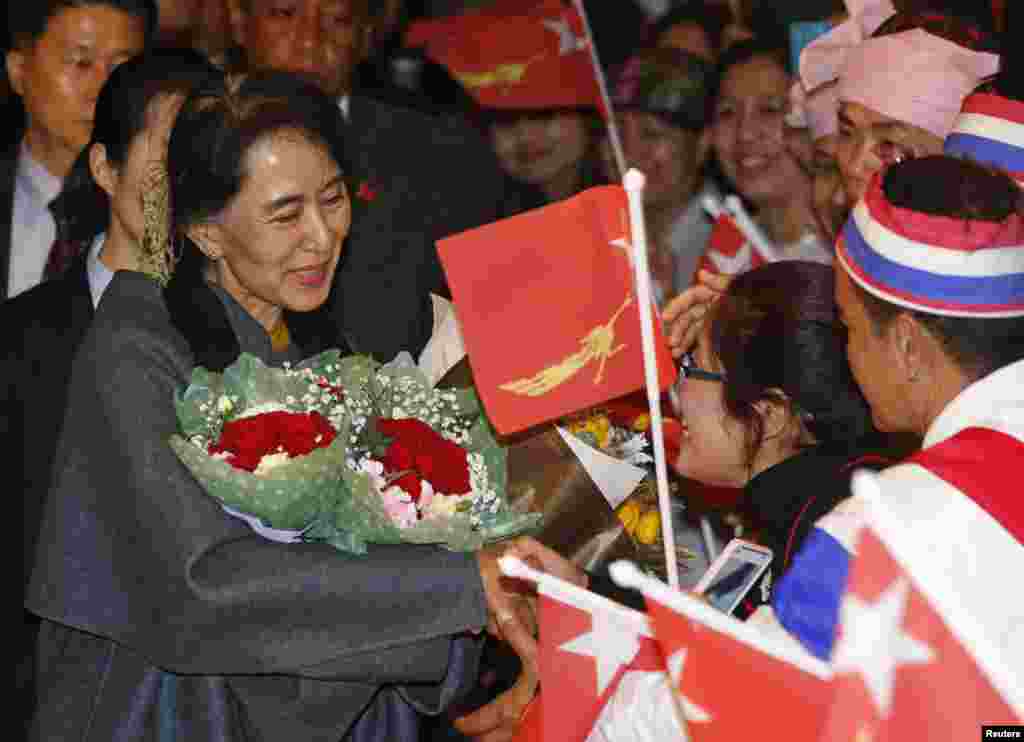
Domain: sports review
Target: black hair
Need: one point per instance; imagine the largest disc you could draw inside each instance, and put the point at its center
(712, 20)
(27, 20)
(778, 338)
(774, 46)
(82, 210)
(968, 191)
(215, 129)
(961, 30)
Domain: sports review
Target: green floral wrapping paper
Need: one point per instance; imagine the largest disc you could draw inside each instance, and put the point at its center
(323, 496)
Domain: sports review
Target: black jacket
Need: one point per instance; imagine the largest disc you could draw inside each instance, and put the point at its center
(786, 500)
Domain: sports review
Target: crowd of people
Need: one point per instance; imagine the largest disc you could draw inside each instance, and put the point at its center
(195, 181)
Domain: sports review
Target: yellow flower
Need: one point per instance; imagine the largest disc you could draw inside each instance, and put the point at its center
(649, 528)
(598, 425)
(629, 514)
(642, 423)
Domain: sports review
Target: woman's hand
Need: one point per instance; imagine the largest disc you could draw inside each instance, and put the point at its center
(684, 315)
(540, 557)
(507, 619)
(499, 720)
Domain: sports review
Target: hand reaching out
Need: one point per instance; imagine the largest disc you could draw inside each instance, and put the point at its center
(684, 315)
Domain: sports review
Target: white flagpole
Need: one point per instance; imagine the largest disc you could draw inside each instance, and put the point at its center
(574, 595)
(602, 84)
(628, 575)
(633, 182)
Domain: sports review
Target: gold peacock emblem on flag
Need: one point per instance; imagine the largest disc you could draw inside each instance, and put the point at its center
(597, 345)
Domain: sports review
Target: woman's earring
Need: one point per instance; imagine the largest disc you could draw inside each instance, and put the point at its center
(157, 259)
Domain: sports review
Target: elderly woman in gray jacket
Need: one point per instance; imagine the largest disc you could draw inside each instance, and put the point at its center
(163, 616)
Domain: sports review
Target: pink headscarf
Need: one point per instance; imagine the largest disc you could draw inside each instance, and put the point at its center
(823, 59)
(914, 77)
(814, 97)
(816, 111)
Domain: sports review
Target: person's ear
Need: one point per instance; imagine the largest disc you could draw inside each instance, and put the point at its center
(703, 146)
(238, 17)
(209, 239)
(906, 341)
(101, 169)
(777, 415)
(15, 61)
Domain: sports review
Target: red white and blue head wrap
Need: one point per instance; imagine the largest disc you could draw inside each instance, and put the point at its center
(990, 129)
(934, 264)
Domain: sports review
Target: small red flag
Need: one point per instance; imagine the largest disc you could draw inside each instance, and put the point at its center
(730, 685)
(548, 309)
(505, 57)
(601, 673)
(901, 672)
(728, 250)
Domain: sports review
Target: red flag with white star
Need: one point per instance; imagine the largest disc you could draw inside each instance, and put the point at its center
(901, 671)
(727, 682)
(732, 677)
(548, 309)
(529, 57)
(601, 672)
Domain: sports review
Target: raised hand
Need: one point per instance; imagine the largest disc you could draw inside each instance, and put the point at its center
(684, 315)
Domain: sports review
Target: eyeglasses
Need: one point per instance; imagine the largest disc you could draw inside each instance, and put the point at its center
(688, 370)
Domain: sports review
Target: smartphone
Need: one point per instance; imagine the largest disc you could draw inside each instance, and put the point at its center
(732, 575)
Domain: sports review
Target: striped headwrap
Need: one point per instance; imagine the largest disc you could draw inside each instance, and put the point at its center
(990, 129)
(934, 264)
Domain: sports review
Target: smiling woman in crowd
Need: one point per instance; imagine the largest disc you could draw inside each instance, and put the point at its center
(162, 614)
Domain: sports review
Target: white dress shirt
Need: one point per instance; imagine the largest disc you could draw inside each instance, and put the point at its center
(32, 227)
(98, 273)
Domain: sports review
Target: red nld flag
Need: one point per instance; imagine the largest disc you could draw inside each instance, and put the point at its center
(535, 56)
(731, 677)
(548, 309)
(901, 672)
(601, 673)
(728, 250)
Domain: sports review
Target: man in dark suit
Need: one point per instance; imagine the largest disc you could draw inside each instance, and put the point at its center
(60, 53)
(416, 177)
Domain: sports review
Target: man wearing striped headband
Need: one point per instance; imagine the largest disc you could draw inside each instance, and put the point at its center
(930, 285)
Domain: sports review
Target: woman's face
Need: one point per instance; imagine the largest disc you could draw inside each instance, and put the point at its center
(869, 140)
(540, 148)
(829, 198)
(713, 446)
(143, 169)
(277, 244)
(667, 156)
(748, 131)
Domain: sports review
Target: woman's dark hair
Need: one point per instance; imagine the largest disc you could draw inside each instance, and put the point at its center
(778, 338)
(219, 124)
(774, 46)
(82, 210)
(206, 163)
(966, 190)
(961, 30)
(712, 20)
(27, 20)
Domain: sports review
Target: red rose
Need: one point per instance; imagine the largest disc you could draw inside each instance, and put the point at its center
(417, 447)
(249, 439)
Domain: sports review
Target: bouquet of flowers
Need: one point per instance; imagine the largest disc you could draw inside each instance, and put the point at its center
(621, 431)
(348, 452)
